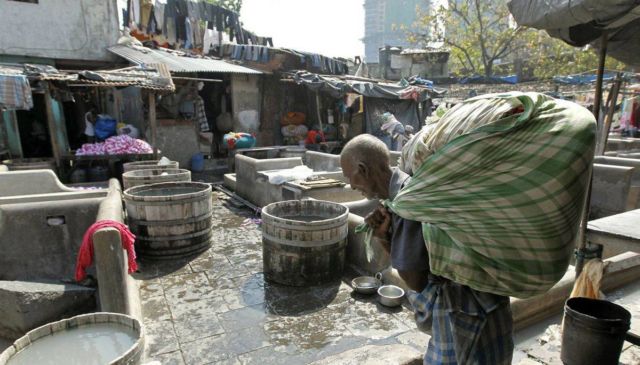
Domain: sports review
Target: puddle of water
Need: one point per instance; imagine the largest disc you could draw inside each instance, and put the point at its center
(95, 344)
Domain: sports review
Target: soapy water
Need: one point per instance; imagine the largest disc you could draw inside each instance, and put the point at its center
(97, 344)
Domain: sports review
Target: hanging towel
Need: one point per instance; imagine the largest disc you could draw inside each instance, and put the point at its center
(85, 255)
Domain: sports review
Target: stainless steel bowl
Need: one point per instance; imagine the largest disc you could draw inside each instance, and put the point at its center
(390, 295)
(365, 284)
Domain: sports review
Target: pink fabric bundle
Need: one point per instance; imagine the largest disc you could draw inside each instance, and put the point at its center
(116, 145)
(90, 149)
(124, 144)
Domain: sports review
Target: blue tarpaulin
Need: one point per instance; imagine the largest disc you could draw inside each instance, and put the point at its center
(581, 79)
(512, 79)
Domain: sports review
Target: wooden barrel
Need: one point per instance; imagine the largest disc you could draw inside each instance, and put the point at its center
(19, 164)
(148, 164)
(304, 241)
(170, 220)
(154, 176)
(119, 337)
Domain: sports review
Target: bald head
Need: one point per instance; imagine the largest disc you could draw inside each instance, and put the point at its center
(365, 162)
(366, 149)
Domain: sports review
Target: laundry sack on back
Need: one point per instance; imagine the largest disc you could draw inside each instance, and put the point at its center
(499, 183)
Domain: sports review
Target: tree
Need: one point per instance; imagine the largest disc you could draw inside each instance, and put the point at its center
(233, 5)
(549, 57)
(477, 32)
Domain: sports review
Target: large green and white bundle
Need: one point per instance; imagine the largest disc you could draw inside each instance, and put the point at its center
(499, 183)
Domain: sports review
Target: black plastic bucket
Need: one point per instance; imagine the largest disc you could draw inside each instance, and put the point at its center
(593, 331)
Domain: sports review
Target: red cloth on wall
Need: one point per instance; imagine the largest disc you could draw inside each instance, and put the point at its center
(85, 254)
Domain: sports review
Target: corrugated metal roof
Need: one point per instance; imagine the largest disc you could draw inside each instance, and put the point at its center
(153, 77)
(175, 63)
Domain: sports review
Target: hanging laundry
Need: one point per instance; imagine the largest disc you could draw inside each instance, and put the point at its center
(158, 14)
(193, 9)
(188, 33)
(145, 12)
(134, 14)
(200, 117)
(152, 26)
(15, 92)
(209, 38)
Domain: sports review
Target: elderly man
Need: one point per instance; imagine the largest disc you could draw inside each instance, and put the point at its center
(467, 326)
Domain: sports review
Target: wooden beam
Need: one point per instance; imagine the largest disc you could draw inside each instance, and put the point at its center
(153, 123)
(195, 79)
(600, 74)
(604, 136)
(51, 125)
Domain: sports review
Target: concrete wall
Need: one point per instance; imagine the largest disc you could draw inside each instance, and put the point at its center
(257, 190)
(59, 29)
(118, 291)
(246, 101)
(612, 192)
(320, 161)
(33, 182)
(40, 240)
(39, 255)
(177, 140)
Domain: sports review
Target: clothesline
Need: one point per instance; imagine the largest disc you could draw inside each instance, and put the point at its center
(185, 23)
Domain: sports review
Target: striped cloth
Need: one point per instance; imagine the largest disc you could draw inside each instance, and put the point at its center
(199, 116)
(15, 92)
(467, 326)
(500, 200)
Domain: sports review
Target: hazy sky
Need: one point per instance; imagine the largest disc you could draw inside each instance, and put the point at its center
(328, 27)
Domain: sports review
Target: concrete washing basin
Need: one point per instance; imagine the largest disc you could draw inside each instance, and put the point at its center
(42, 224)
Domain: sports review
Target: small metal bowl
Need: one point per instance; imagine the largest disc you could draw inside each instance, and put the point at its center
(365, 284)
(390, 295)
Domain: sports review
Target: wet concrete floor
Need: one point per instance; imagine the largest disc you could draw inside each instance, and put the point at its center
(217, 308)
(540, 343)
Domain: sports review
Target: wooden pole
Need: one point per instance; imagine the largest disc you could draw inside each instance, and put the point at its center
(615, 90)
(220, 50)
(598, 97)
(582, 233)
(153, 123)
(51, 125)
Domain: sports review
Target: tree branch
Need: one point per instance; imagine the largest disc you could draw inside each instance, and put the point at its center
(464, 51)
(481, 35)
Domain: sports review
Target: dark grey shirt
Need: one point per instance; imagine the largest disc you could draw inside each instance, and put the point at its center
(408, 250)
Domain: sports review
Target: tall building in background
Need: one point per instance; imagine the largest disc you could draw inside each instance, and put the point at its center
(383, 23)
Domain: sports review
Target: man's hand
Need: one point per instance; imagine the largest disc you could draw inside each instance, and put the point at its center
(379, 220)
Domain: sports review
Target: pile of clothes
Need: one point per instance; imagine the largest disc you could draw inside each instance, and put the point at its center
(293, 128)
(116, 145)
(233, 140)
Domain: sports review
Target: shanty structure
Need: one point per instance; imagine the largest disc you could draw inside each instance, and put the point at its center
(46, 80)
(409, 102)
